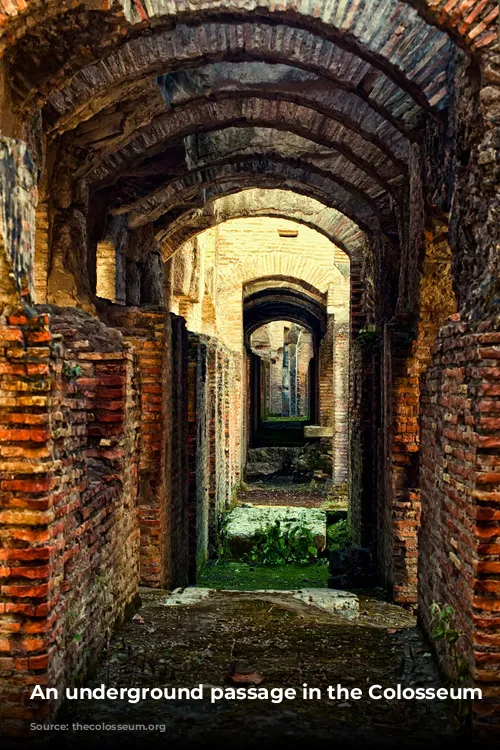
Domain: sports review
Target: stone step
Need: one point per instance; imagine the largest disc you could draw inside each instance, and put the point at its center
(244, 523)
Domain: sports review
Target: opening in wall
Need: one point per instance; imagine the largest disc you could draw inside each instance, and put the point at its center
(106, 270)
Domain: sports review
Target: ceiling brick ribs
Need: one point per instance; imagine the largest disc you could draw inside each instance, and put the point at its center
(388, 32)
(256, 203)
(206, 148)
(194, 189)
(184, 121)
(290, 149)
(471, 22)
(107, 81)
(289, 83)
(241, 80)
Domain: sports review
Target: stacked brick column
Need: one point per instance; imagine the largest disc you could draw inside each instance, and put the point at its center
(28, 473)
(159, 340)
(213, 441)
(325, 363)
(68, 531)
(198, 452)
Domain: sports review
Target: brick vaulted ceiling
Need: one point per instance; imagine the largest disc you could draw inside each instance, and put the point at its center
(256, 202)
(169, 104)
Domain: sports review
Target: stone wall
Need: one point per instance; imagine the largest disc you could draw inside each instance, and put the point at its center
(17, 204)
(398, 490)
(69, 537)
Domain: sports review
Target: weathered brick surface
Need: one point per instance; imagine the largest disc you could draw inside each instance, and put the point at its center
(18, 197)
(399, 495)
(471, 22)
(69, 536)
(460, 477)
(159, 341)
(213, 442)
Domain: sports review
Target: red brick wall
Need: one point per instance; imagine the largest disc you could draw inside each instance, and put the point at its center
(159, 340)
(213, 441)
(399, 494)
(460, 476)
(68, 531)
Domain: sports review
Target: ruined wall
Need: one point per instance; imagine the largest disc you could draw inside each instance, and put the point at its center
(398, 490)
(17, 203)
(213, 442)
(159, 340)
(460, 476)
(68, 531)
(459, 425)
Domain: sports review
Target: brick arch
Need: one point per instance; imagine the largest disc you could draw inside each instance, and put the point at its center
(196, 187)
(335, 169)
(284, 204)
(170, 128)
(282, 282)
(285, 271)
(281, 303)
(236, 79)
(472, 23)
(196, 89)
(104, 82)
(380, 182)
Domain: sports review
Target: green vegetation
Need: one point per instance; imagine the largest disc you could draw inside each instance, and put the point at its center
(444, 630)
(368, 337)
(246, 577)
(221, 543)
(338, 535)
(442, 619)
(276, 545)
(71, 371)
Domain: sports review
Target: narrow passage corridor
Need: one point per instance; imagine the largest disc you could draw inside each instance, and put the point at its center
(288, 643)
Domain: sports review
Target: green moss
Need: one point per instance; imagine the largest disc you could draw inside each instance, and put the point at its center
(244, 577)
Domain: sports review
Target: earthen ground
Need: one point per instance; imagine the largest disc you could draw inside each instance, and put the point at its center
(266, 493)
(288, 643)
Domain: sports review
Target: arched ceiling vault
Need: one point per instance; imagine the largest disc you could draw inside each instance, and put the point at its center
(115, 126)
(208, 116)
(280, 303)
(172, 103)
(195, 188)
(471, 23)
(257, 202)
(264, 283)
(133, 193)
(399, 90)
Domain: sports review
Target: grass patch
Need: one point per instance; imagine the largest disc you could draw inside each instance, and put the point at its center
(245, 577)
(286, 419)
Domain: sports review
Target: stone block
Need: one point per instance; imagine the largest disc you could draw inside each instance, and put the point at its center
(317, 431)
(244, 523)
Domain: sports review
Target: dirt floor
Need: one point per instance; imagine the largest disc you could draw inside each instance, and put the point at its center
(287, 643)
(269, 493)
